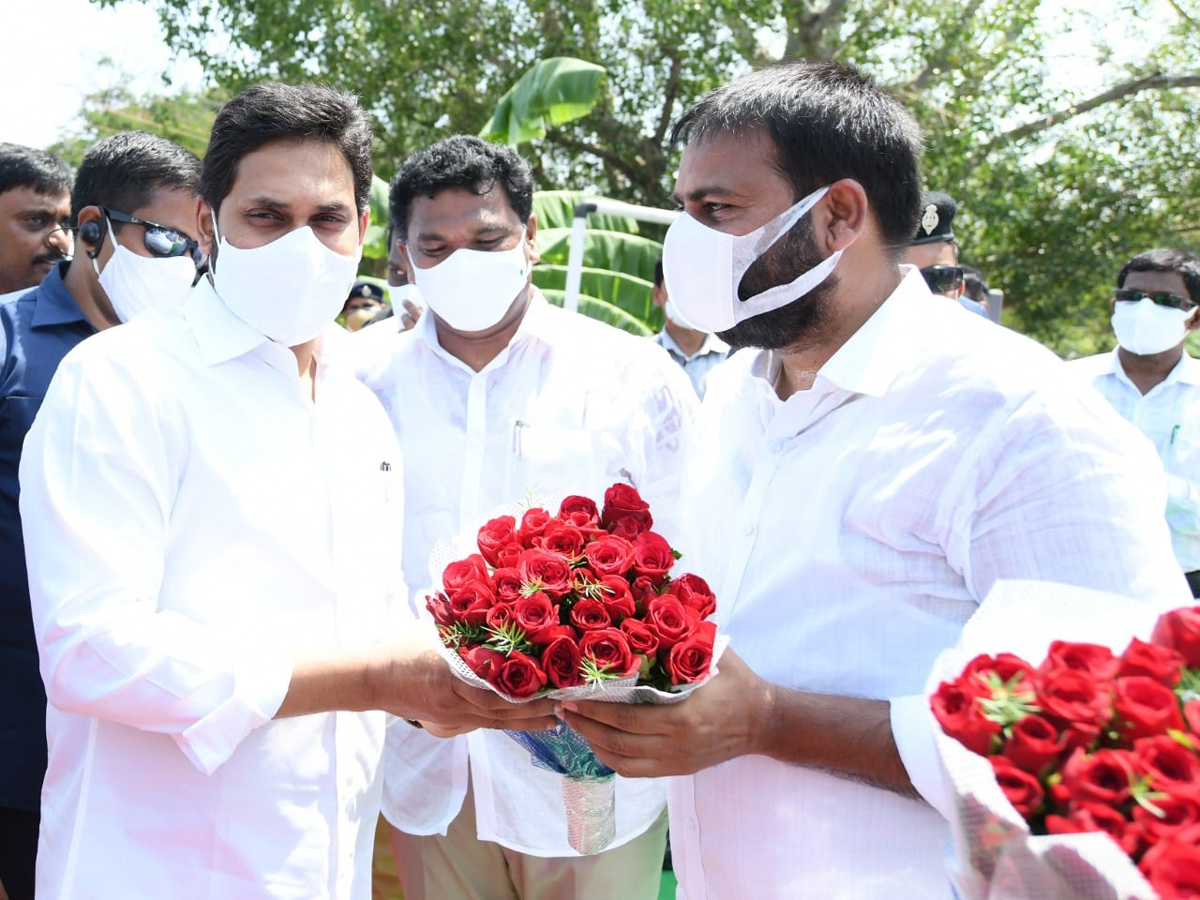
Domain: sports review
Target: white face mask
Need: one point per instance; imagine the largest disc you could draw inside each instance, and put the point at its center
(471, 290)
(136, 283)
(402, 293)
(1145, 328)
(288, 290)
(672, 312)
(703, 268)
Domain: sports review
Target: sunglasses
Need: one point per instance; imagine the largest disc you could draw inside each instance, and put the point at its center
(942, 279)
(1162, 298)
(161, 241)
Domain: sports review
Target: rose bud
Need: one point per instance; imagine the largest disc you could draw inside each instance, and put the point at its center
(609, 650)
(628, 528)
(961, 716)
(1101, 777)
(499, 616)
(494, 535)
(565, 540)
(616, 597)
(669, 621)
(481, 660)
(589, 615)
(1180, 630)
(1070, 698)
(1087, 817)
(624, 500)
(560, 659)
(545, 571)
(1145, 707)
(1092, 659)
(694, 593)
(690, 659)
(1034, 744)
(579, 511)
(533, 523)
(609, 555)
(458, 573)
(1175, 816)
(1173, 869)
(1005, 665)
(471, 602)
(508, 555)
(1169, 764)
(439, 607)
(519, 676)
(507, 585)
(652, 555)
(641, 638)
(1023, 791)
(1152, 661)
(536, 616)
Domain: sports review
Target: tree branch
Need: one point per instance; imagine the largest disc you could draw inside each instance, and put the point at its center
(941, 58)
(1155, 82)
(575, 145)
(672, 89)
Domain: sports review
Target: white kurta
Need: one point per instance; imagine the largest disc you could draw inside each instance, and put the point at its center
(569, 407)
(851, 531)
(193, 520)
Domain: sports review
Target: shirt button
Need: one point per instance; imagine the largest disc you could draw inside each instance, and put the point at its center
(692, 822)
(776, 446)
(748, 529)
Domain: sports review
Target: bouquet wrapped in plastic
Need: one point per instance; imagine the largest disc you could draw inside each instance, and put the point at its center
(1077, 777)
(577, 605)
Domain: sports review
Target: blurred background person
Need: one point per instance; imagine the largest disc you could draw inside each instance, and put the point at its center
(35, 210)
(934, 250)
(696, 351)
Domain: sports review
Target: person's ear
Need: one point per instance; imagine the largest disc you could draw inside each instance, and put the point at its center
(535, 254)
(840, 216)
(205, 235)
(1192, 322)
(91, 231)
(363, 221)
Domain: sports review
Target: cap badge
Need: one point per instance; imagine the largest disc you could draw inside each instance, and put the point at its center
(929, 220)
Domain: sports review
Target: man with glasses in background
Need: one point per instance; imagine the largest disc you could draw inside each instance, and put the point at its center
(934, 251)
(1153, 383)
(134, 206)
(35, 206)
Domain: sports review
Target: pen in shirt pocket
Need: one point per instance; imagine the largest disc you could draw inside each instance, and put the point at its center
(386, 468)
(517, 426)
(1175, 431)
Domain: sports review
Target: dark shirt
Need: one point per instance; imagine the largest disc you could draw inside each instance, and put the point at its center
(37, 330)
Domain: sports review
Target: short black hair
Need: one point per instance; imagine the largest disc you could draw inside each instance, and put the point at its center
(974, 285)
(22, 166)
(1166, 260)
(828, 122)
(123, 171)
(658, 272)
(460, 161)
(271, 111)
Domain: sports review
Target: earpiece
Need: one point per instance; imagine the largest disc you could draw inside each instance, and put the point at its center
(90, 234)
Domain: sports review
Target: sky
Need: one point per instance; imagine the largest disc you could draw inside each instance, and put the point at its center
(43, 89)
(53, 58)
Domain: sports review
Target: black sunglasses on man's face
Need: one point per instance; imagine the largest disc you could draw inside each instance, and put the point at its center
(943, 279)
(162, 241)
(1162, 298)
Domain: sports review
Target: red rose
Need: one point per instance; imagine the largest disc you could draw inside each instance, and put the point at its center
(589, 615)
(690, 659)
(439, 607)
(561, 662)
(609, 555)
(652, 556)
(1174, 816)
(1180, 630)
(542, 570)
(1191, 715)
(1085, 817)
(499, 615)
(1145, 707)
(694, 593)
(481, 660)
(579, 511)
(1023, 791)
(519, 676)
(1033, 744)
(1070, 698)
(565, 540)
(1169, 765)
(1173, 869)
(508, 555)
(628, 527)
(495, 534)
(1152, 661)
(535, 615)
(471, 602)
(644, 590)
(641, 638)
(623, 500)
(1101, 777)
(609, 649)
(458, 573)
(1005, 665)
(960, 714)
(507, 584)
(614, 594)
(533, 523)
(1092, 659)
(669, 620)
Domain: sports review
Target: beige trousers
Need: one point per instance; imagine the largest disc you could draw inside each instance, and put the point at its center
(459, 866)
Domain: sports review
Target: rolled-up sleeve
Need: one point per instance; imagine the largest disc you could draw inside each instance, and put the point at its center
(98, 477)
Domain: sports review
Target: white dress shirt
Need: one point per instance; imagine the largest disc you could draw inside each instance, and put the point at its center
(851, 530)
(193, 520)
(1169, 415)
(569, 407)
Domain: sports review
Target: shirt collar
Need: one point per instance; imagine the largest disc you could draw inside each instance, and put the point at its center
(540, 322)
(712, 344)
(882, 348)
(220, 335)
(1187, 370)
(54, 304)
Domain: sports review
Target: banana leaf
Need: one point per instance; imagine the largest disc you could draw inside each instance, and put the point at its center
(602, 311)
(554, 91)
(630, 254)
(556, 209)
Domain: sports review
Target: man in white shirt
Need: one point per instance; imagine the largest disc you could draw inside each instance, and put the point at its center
(1154, 384)
(212, 640)
(859, 486)
(496, 395)
(696, 352)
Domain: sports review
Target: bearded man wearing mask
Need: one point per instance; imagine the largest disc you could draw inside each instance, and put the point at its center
(215, 648)
(496, 394)
(1153, 383)
(134, 209)
(857, 486)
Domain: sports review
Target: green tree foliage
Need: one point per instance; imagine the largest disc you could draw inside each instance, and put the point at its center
(1059, 179)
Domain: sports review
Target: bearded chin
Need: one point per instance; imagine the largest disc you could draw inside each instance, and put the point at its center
(792, 256)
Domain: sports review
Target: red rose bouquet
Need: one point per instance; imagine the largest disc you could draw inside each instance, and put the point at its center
(580, 604)
(1089, 747)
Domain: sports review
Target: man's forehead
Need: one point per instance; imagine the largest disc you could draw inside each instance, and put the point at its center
(1157, 281)
(29, 199)
(728, 162)
(460, 208)
(286, 173)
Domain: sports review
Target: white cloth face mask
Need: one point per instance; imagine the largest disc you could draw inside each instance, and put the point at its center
(288, 290)
(404, 293)
(672, 312)
(134, 284)
(1145, 328)
(703, 268)
(471, 290)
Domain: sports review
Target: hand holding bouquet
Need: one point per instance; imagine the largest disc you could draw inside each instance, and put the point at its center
(580, 604)
(1088, 742)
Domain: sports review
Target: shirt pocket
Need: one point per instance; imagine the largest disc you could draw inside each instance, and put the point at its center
(551, 461)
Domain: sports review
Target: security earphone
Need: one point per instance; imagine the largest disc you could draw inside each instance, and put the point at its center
(92, 235)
